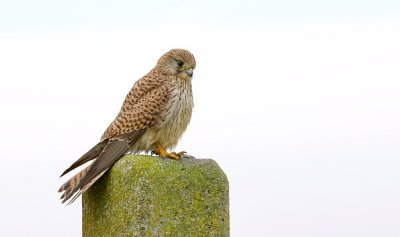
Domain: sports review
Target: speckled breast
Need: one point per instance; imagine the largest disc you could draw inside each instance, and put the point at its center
(168, 131)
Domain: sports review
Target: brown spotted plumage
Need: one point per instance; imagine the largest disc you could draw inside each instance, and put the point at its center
(153, 117)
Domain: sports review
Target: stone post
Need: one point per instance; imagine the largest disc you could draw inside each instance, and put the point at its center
(151, 196)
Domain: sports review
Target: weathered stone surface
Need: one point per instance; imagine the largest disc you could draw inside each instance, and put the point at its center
(151, 196)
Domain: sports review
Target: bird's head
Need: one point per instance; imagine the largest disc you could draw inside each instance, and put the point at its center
(177, 62)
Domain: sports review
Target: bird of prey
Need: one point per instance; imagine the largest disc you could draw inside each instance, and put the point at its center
(152, 118)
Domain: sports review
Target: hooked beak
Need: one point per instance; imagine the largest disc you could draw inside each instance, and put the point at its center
(189, 72)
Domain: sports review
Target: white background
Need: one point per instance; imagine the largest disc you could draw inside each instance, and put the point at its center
(299, 103)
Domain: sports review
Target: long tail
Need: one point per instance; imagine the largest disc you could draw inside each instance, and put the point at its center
(68, 187)
(113, 150)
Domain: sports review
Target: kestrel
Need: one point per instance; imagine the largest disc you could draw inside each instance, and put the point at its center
(153, 117)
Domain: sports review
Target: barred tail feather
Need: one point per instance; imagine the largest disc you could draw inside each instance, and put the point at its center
(83, 189)
(68, 186)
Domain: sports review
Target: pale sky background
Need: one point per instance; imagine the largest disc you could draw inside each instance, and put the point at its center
(298, 102)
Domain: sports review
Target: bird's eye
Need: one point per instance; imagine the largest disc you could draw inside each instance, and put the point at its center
(179, 62)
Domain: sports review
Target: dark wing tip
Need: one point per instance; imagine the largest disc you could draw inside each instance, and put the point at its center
(65, 172)
(90, 155)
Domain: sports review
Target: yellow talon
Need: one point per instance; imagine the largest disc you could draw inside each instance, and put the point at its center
(160, 151)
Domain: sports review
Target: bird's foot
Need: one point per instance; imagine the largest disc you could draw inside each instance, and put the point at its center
(160, 151)
(173, 155)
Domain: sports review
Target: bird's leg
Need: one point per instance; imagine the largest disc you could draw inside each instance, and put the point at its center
(160, 151)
